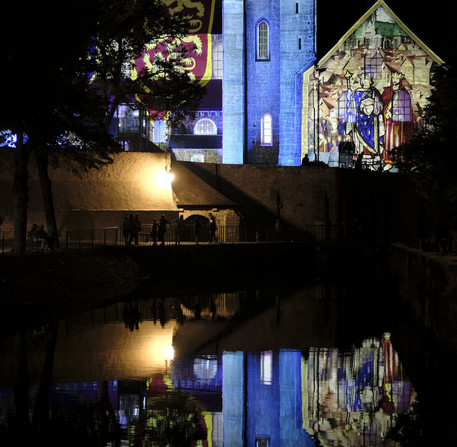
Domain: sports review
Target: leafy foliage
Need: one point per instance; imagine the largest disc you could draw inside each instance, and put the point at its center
(66, 74)
(430, 157)
(66, 68)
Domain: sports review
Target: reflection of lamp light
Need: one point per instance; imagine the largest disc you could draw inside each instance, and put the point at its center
(169, 353)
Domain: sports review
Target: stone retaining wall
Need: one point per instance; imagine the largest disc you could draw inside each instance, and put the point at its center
(427, 284)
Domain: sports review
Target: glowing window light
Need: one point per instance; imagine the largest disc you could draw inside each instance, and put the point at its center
(159, 131)
(205, 126)
(205, 368)
(266, 367)
(266, 130)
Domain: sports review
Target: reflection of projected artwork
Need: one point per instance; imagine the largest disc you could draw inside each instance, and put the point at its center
(353, 399)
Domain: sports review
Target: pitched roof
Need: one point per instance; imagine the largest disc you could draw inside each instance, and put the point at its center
(403, 27)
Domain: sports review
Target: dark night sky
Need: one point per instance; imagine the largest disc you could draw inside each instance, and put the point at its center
(429, 21)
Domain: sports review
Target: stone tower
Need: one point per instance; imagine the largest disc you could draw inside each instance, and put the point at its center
(268, 44)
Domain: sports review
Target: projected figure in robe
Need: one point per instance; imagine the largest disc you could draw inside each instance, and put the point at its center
(398, 117)
(369, 126)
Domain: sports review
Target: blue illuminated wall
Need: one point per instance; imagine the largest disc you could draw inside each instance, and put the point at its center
(257, 405)
(233, 81)
(253, 87)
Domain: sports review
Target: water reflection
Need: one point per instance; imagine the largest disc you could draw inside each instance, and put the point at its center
(231, 369)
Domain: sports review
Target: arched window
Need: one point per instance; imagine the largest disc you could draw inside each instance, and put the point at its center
(217, 61)
(205, 126)
(263, 46)
(266, 130)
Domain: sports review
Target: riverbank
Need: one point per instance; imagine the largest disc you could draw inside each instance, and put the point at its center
(62, 282)
(68, 281)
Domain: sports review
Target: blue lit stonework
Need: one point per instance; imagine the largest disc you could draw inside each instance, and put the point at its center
(253, 86)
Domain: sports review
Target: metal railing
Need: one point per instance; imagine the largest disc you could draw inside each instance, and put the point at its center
(233, 234)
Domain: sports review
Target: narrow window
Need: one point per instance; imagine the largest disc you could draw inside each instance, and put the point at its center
(266, 367)
(266, 130)
(159, 132)
(263, 49)
(217, 61)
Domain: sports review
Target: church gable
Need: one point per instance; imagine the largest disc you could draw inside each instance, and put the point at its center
(386, 69)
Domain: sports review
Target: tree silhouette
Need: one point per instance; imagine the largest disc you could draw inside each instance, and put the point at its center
(65, 75)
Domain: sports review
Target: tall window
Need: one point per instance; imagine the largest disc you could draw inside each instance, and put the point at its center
(217, 61)
(205, 126)
(266, 130)
(159, 132)
(263, 47)
(373, 65)
(266, 367)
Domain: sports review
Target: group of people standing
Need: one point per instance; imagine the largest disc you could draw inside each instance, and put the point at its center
(158, 230)
(131, 230)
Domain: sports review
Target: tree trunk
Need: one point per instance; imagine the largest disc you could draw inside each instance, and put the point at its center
(20, 195)
(46, 192)
(41, 414)
(21, 387)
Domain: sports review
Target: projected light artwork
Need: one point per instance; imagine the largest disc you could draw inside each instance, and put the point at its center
(368, 94)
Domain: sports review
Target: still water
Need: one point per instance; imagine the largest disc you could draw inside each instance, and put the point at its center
(300, 367)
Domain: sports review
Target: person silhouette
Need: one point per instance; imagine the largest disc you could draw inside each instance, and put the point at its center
(212, 229)
(154, 230)
(197, 230)
(162, 229)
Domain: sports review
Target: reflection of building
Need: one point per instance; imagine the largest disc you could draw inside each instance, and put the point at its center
(364, 389)
(268, 397)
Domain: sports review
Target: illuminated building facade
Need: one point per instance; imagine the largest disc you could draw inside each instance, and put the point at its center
(269, 101)
(266, 46)
(367, 95)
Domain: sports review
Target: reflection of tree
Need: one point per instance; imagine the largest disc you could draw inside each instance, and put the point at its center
(173, 418)
(55, 423)
(411, 429)
(83, 423)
